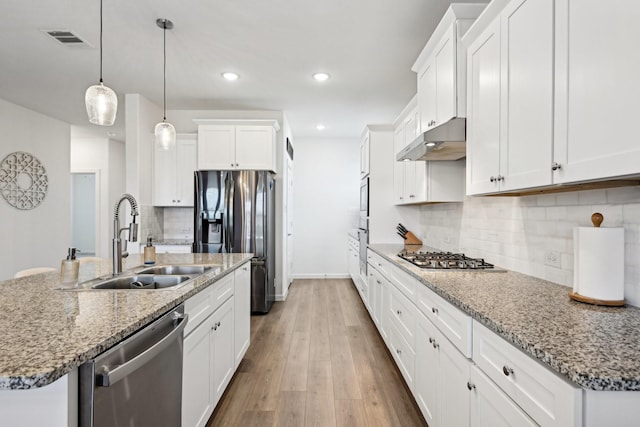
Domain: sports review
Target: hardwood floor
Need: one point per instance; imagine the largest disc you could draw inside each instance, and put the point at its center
(317, 360)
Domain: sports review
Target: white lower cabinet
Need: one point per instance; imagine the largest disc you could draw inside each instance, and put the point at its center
(242, 306)
(197, 376)
(223, 353)
(460, 372)
(217, 337)
(441, 377)
(490, 407)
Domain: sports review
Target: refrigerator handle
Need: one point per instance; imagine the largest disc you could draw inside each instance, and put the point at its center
(229, 223)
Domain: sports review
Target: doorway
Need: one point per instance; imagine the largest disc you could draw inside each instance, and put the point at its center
(84, 218)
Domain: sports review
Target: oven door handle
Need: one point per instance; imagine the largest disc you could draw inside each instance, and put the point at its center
(110, 376)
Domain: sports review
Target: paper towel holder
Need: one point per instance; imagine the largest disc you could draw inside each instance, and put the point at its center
(596, 219)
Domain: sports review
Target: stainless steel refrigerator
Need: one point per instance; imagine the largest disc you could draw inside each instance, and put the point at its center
(235, 212)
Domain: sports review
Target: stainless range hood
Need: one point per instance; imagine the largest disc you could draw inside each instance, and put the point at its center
(443, 142)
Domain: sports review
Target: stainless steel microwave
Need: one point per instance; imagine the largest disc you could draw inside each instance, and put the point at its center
(364, 197)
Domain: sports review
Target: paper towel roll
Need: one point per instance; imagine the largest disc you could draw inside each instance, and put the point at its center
(599, 263)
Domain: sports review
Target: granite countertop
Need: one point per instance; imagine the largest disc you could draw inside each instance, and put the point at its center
(46, 333)
(595, 347)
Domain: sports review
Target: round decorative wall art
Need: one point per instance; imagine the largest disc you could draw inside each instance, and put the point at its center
(23, 180)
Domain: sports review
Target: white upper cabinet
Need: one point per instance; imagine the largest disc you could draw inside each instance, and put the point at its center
(423, 182)
(441, 68)
(173, 173)
(597, 89)
(548, 96)
(229, 145)
(510, 100)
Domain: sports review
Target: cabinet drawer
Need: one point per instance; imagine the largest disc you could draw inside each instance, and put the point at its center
(452, 322)
(198, 307)
(403, 314)
(403, 354)
(222, 290)
(545, 397)
(401, 280)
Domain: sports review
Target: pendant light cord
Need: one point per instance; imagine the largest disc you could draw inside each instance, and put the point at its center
(100, 41)
(164, 72)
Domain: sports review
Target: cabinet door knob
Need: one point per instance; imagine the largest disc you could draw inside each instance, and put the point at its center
(500, 178)
(431, 340)
(507, 370)
(493, 179)
(237, 165)
(398, 351)
(434, 310)
(555, 166)
(399, 312)
(435, 344)
(470, 386)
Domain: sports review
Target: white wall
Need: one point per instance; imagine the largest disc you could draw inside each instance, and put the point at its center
(325, 205)
(37, 237)
(107, 158)
(518, 232)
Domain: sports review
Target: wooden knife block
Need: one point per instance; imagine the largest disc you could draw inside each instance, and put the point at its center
(411, 239)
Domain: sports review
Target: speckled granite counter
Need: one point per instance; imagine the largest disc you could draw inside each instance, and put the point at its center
(46, 333)
(597, 348)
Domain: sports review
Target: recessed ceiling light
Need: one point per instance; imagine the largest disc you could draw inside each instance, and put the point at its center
(230, 76)
(320, 127)
(321, 77)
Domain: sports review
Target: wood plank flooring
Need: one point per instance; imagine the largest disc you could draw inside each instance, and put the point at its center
(317, 360)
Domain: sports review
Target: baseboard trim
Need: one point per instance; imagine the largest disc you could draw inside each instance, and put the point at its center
(321, 276)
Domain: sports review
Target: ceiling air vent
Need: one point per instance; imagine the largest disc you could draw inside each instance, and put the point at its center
(66, 37)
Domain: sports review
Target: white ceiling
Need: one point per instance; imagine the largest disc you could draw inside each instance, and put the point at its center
(368, 46)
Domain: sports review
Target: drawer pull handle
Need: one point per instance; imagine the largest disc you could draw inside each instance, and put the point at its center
(398, 351)
(378, 282)
(434, 310)
(470, 386)
(399, 312)
(507, 371)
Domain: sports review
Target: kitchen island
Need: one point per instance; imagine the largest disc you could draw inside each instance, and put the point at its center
(47, 333)
(593, 349)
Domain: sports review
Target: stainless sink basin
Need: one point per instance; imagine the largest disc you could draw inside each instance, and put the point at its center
(175, 269)
(141, 281)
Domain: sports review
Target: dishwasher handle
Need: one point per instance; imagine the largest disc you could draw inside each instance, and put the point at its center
(111, 376)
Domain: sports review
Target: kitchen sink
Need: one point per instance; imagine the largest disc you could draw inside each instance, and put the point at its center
(175, 270)
(141, 281)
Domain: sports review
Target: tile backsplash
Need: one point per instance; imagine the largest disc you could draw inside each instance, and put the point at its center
(178, 223)
(534, 234)
(151, 223)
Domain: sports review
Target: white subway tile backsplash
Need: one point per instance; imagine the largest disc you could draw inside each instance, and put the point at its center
(592, 197)
(517, 232)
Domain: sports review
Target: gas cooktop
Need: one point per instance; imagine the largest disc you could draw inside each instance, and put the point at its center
(446, 261)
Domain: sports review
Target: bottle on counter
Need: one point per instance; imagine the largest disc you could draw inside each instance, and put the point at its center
(149, 252)
(69, 269)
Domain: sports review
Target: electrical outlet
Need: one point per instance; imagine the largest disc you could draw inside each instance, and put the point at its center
(552, 259)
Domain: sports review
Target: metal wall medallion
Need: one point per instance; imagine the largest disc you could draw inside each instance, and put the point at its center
(23, 180)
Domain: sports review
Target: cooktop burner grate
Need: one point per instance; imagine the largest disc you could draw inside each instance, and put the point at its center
(444, 261)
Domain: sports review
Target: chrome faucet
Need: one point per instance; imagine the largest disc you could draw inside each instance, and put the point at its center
(118, 253)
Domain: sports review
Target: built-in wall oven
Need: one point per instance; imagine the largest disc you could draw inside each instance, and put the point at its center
(363, 226)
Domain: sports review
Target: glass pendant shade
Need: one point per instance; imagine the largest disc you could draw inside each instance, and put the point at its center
(102, 104)
(165, 135)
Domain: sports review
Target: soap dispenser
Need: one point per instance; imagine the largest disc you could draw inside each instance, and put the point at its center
(149, 252)
(69, 270)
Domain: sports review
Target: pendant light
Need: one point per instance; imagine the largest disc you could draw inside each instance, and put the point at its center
(100, 100)
(165, 132)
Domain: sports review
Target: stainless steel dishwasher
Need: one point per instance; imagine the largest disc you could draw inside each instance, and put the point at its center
(139, 381)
